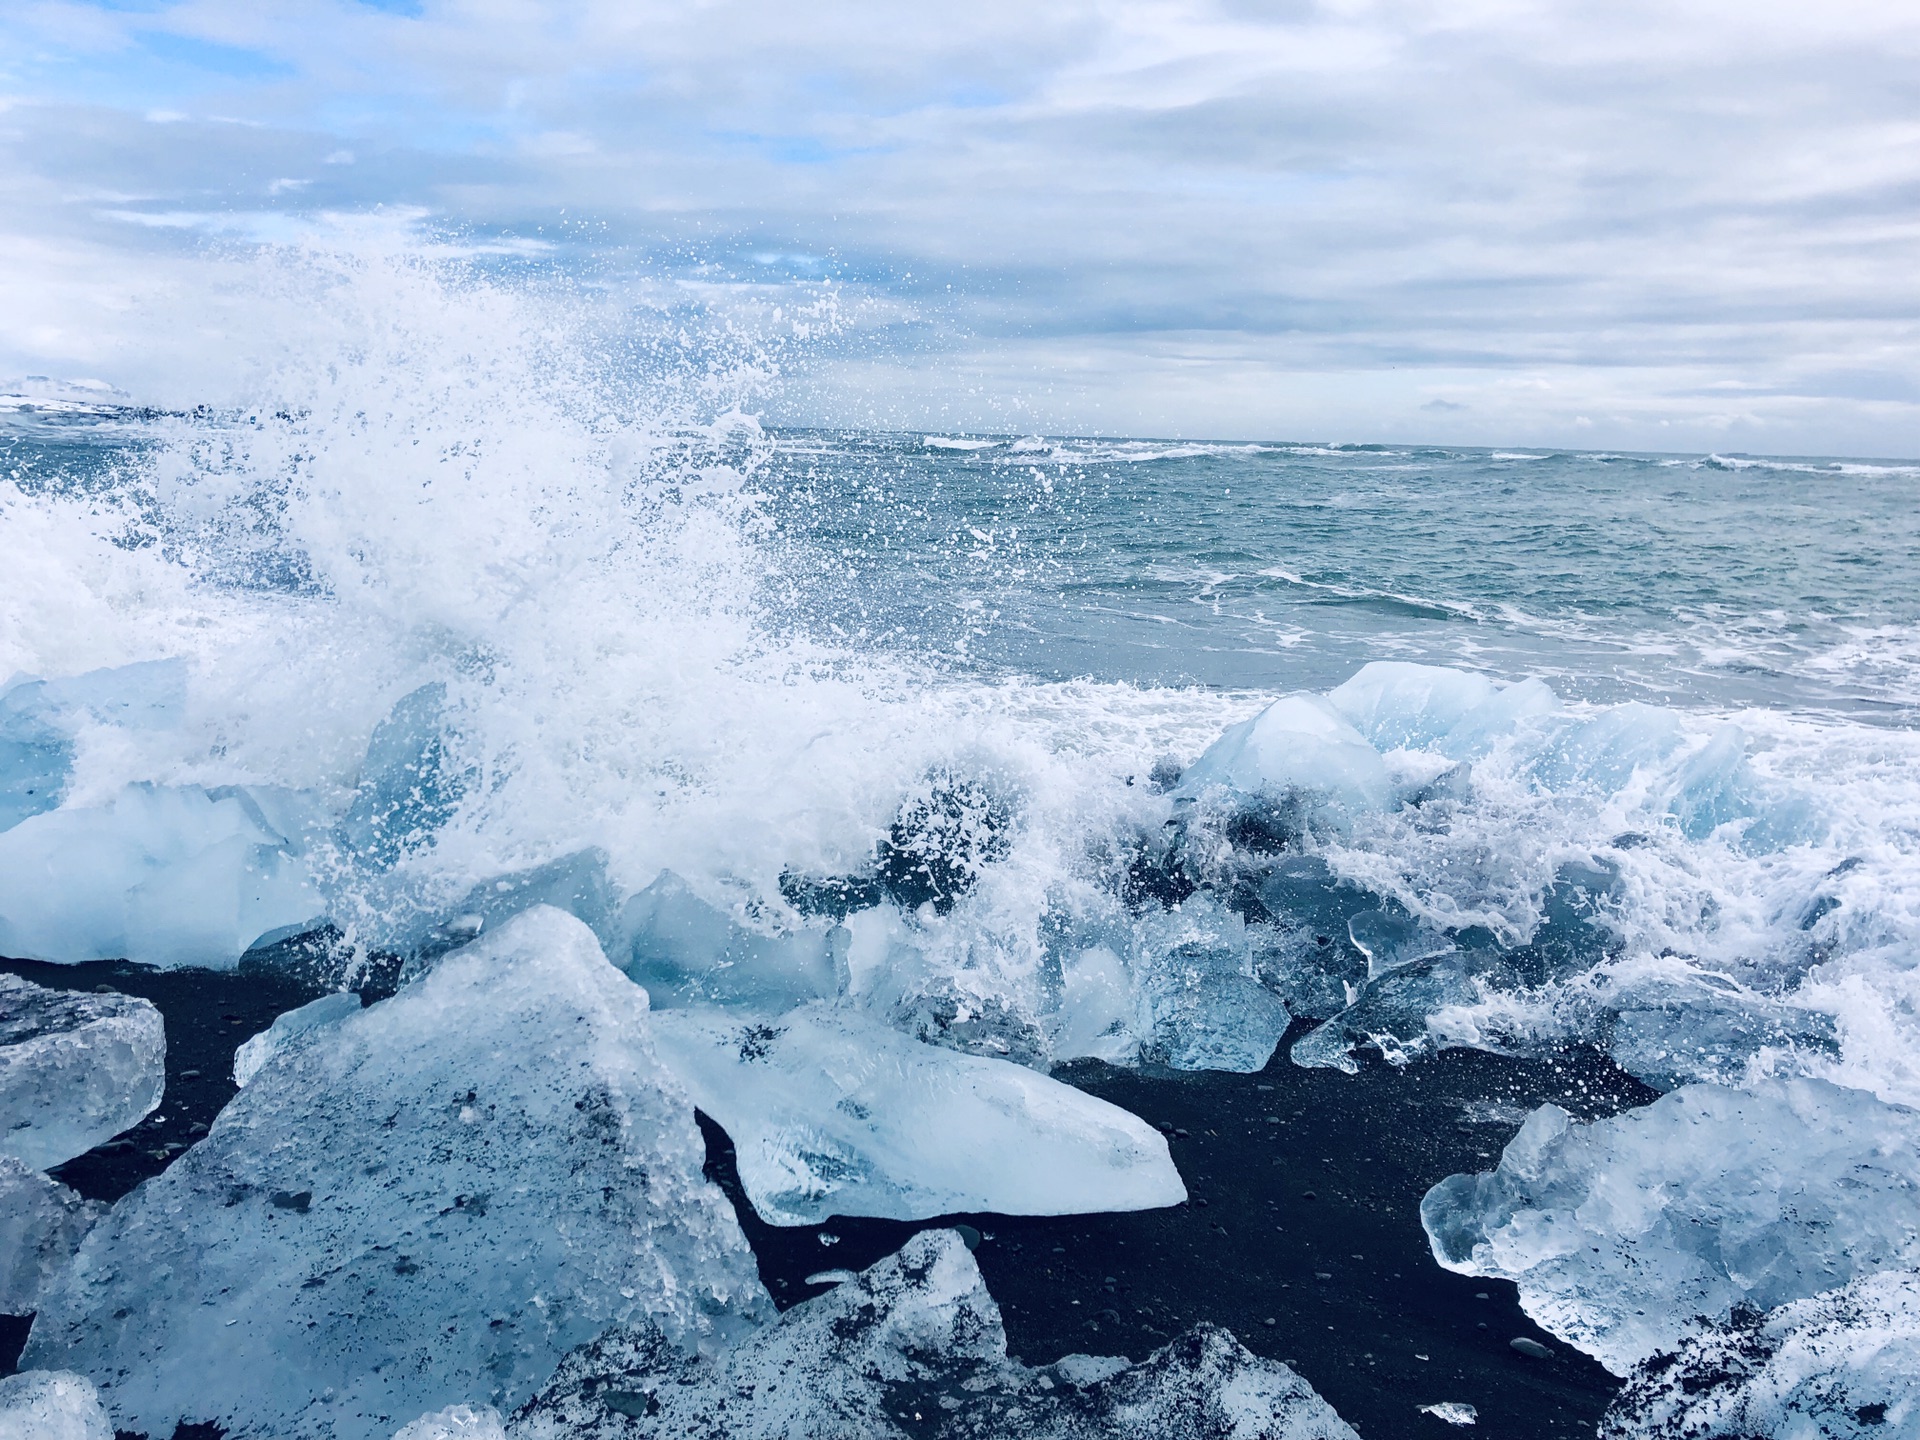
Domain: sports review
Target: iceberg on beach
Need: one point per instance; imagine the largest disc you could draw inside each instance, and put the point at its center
(42, 1223)
(1202, 1006)
(1841, 1365)
(75, 1069)
(1628, 1235)
(409, 785)
(686, 952)
(160, 875)
(913, 1346)
(455, 1186)
(833, 1113)
(1299, 744)
(51, 1405)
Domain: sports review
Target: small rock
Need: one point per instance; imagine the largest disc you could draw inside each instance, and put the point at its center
(970, 1235)
(1530, 1348)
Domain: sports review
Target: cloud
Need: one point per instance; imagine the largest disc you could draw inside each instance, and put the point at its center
(1646, 202)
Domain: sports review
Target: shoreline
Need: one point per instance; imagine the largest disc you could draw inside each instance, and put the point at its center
(1301, 1233)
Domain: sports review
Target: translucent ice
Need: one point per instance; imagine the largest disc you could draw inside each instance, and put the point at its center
(51, 1405)
(160, 875)
(918, 1335)
(1300, 743)
(38, 720)
(687, 953)
(1604, 751)
(1202, 1006)
(75, 1069)
(1396, 705)
(256, 1050)
(409, 786)
(1626, 1234)
(452, 1188)
(42, 1223)
(1843, 1365)
(833, 1113)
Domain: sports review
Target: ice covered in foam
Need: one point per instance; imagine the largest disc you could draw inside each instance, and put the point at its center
(42, 1223)
(686, 952)
(1840, 1365)
(40, 721)
(75, 1069)
(51, 1405)
(834, 1113)
(1299, 743)
(456, 1185)
(1628, 1234)
(918, 1335)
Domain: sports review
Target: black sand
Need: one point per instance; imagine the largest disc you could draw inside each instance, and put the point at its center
(1302, 1235)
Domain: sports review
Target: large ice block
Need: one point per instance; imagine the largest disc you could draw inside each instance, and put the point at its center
(410, 785)
(425, 1203)
(51, 1405)
(1299, 743)
(1842, 1365)
(917, 1335)
(42, 1223)
(1627, 1234)
(75, 1069)
(1399, 705)
(257, 1050)
(160, 875)
(833, 1113)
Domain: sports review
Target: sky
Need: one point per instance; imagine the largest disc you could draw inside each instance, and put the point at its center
(1682, 225)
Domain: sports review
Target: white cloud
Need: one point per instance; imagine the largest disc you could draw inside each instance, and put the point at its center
(1140, 215)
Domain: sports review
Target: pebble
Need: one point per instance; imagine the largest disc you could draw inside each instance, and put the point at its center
(1530, 1348)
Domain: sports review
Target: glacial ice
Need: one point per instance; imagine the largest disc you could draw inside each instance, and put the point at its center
(39, 719)
(1840, 1365)
(917, 1335)
(454, 1186)
(1298, 744)
(1603, 751)
(75, 1069)
(1096, 1013)
(42, 1223)
(257, 1050)
(1629, 1234)
(1202, 1006)
(158, 875)
(834, 1113)
(1398, 705)
(1497, 717)
(688, 953)
(410, 785)
(51, 1405)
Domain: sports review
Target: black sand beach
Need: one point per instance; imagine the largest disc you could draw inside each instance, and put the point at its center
(1302, 1235)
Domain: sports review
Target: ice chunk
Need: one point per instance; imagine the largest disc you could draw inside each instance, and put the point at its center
(1095, 1018)
(51, 1405)
(1299, 743)
(162, 876)
(456, 1422)
(1390, 1014)
(1603, 752)
(75, 1069)
(688, 953)
(1670, 1031)
(1202, 1007)
(1397, 705)
(258, 1049)
(914, 1346)
(1625, 1234)
(833, 1113)
(410, 785)
(1843, 1365)
(38, 719)
(1391, 938)
(1494, 719)
(42, 1223)
(426, 1203)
